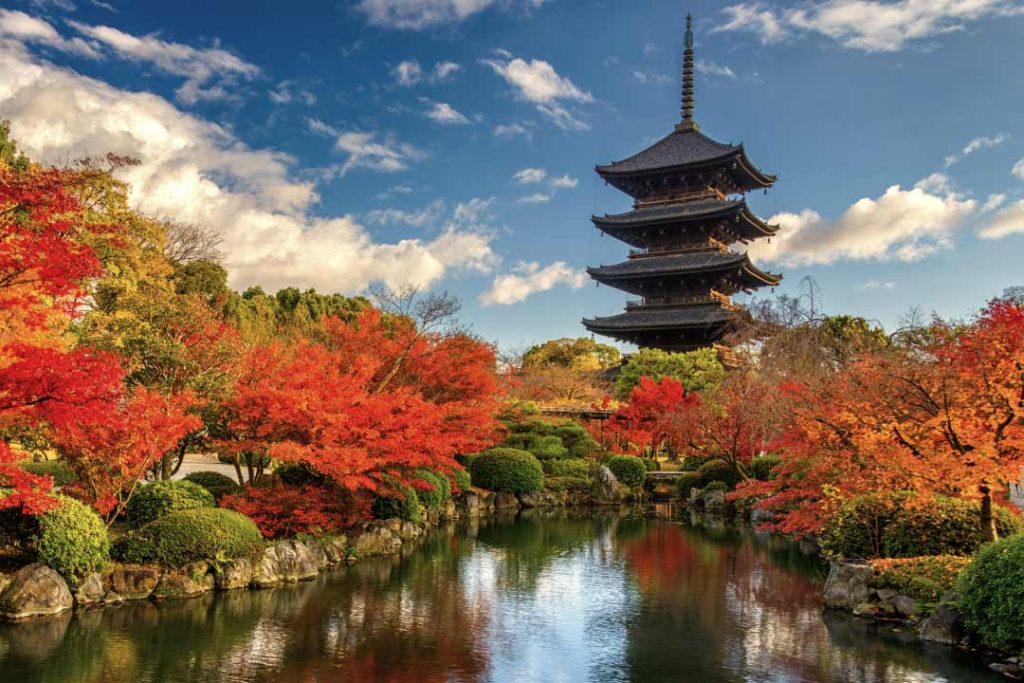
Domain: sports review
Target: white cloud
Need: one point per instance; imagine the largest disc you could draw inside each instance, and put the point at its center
(525, 176)
(537, 198)
(317, 126)
(287, 92)
(1018, 169)
(868, 25)
(425, 216)
(538, 83)
(529, 278)
(709, 68)
(564, 182)
(876, 284)
(365, 151)
(198, 171)
(1009, 221)
(993, 202)
(24, 28)
(936, 183)
(444, 113)
(210, 74)
(644, 77)
(511, 130)
(975, 145)
(904, 225)
(407, 73)
(444, 71)
(416, 15)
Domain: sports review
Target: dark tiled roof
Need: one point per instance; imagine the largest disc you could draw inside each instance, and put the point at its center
(679, 148)
(668, 212)
(663, 318)
(676, 263)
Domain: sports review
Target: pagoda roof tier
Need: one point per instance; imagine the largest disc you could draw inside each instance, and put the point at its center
(708, 315)
(685, 263)
(683, 153)
(630, 227)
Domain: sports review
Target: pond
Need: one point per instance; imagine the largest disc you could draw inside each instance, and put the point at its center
(535, 598)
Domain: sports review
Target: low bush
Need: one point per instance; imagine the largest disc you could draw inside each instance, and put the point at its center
(152, 501)
(652, 464)
(628, 469)
(58, 470)
(507, 469)
(547, 448)
(716, 486)
(718, 470)
(691, 463)
(571, 467)
(432, 489)
(70, 538)
(216, 483)
(761, 468)
(461, 481)
(991, 591)
(296, 474)
(178, 538)
(567, 484)
(577, 439)
(282, 511)
(685, 482)
(466, 459)
(401, 503)
(923, 578)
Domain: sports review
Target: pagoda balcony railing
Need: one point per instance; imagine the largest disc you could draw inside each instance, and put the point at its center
(710, 244)
(712, 297)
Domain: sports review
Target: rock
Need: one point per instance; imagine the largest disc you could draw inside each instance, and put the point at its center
(284, 562)
(695, 496)
(34, 590)
(865, 609)
(1005, 669)
(186, 582)
(714, 502)
(905, 606)
(529, 500)
(505, 501)
(233, 574)
(336, 549)
(449, 511)
(112, 598)
(409, 531)
(377, 539)
(316, 550)
(133, 582)
(847, 584)
(945, 625)
(90, 590)
(886, 594)
(605, 487)
(470, 504)
(395, 525)
(758, 516)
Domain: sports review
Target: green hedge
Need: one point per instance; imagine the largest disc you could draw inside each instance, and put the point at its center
(886, 526)
(59, 470)
(70, 538)
(716, 486)
(923, 578)
(441, 492)
(403, 504)
(461, 479)
(214, 482)
(152, 501)
(685, 482)
(691, 463)
(508, 469)
(717, 469)
(567, 484)
(761, 468)
(991, 592)
(571, 467)
(628, 469)
(178, 538)
(652, 464)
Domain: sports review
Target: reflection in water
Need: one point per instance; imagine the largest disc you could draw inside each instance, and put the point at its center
(540, 597)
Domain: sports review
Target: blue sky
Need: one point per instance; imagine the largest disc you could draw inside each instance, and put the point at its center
(451, 143)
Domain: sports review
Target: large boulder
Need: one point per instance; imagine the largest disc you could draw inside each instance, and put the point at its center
(714, 502)
(377, 538)
(233, 574)
(409, 531)
(945, 625)
(336, 548)
(186, 582)
(90, 590)
(316, 550)
(505, 501)
(470, 504)
(133, 582)
(284, 562)
(606, 488)
(848, 584)
(34, 590)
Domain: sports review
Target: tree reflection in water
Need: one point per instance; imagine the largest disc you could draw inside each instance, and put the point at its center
(541, 597)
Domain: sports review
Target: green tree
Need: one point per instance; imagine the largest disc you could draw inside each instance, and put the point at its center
(581, 353)
(697, 370)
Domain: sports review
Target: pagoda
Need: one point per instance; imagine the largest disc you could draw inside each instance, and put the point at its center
(688, 208)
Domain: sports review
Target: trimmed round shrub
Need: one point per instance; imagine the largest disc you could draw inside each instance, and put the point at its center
(178, 538)
(685, 482)
(461, 480)
(570, 467)
(761, 468)
(628, 469)
(567, 484)
(440, 492)
(58, 470)
(508, 469)
(691, 463)
(652, 464)
(155, 500)
(577, 439)
(214, 482)
(717, 486)
(855, 529)
(548, 448)
(944, 526)
(403, 503)
(991, 592)
(718, 470)
(466, 459)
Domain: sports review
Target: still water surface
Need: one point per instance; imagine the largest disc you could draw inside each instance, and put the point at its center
(539, 598)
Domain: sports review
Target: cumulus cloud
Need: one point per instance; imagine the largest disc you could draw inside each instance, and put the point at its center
(444, 71)
(24, 28)
(529, 278)
(645, 77)
(903, 225)
(976, 144)
(868, 25)
(416, 15)
(287, 92)
(709, 68)
(421, 218)
(538, 83)
(1018, 169)
(525, 176)
(993, 202)
(564, 182)
(508, 130)
(364, 150)
(407, 73)
(198, 171)
(444, 113)
(1008, 221)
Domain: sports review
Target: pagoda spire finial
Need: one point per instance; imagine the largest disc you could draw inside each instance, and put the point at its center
(687, 109)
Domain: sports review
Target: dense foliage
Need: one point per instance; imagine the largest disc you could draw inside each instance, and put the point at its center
(188, 536)
(433, 489)
(570, 467)
(628, 469)
(282, 511)
(58, 470)
(507, 469)
(991, 591)
(401, 502)
(216, 483)
(697, 371)
(925, 579)
(155, 500)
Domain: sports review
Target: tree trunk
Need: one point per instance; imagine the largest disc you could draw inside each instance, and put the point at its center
(165, 467)
(988, 520)
(238, 471)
